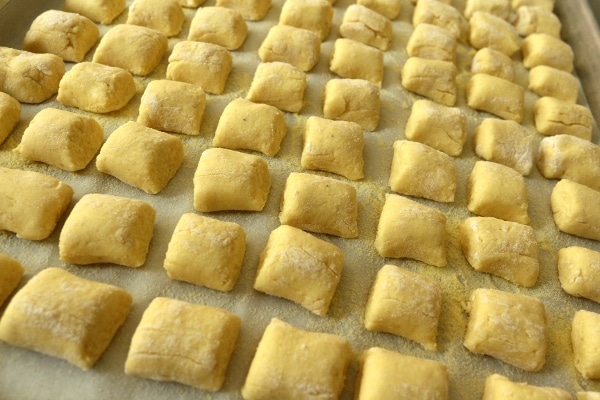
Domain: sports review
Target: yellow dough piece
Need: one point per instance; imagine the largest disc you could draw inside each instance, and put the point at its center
(579, 272)
(183, 342)
(10, 115)
(441, 14)
(554, 117)
(488, 30)
(31, 203)
(507, 326)
(422, 171)
(314, 15)
(552, 82)
(495, 190)
(408, 229)
(434, 79)
(292, 363)
(251, 10)
(570, 157)
(320, 204)
(355, 60)
(505, 142)
(586, 343)
(496, 96)
(206, 252)
(11, 272)
(499, 8)
(65, 316)
(96, 88)
(67, 35)
(104, 228)
(245, 125)
(498, 387)
(230, 180)
(30, 77)
(219, 25)
(278, 84)
(536, 19)
(588, 395)
(432, 42)
(333, 146)
(441, 127)
(405, 304)
(296, 46)
(299, 267)
(353, 100)
(546, 4)
(545, 49)
(165, 16)
(172, 106)
(102, 11)
(503, 248)
(61, 138)
(134, 48)
(386, 374)
(364, 25)
(388, 8)
(570, 203)
(493, 62)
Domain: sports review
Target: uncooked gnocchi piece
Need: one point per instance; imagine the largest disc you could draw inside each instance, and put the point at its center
(62, 315)
(253, 10)
(388, 8)
(442, 14)
(11, 272)
(554, 117)
(314, 15)
(10, 115)
(165, 16)
(499, 8)
(536, 19)
(571, 209)
(280, 85)
(493, 62)
(586, 343)
(219, 25)
(102, 11)
(588, 395)
(488, 30)
(355, 60)
(579, 272)
(296, 46)
(499, 387)
(364, 25)
(552, 82)
(434, 79)
(432, 42)
(353, 100)
(546, 4)
(545, 49)
(496, 96)
(183, 342)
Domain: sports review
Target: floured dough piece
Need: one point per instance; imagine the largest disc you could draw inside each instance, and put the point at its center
(10, 115)
(219, 25)
(434, 79)
(140, 54)
(299, 267)
(251, 10)
(355, 60)
(230, 180)
(96, 88)
(536, 19)
(204, 64)
(141, 157)
(503, 248)
(388, 8)
(29, 77)
(507, 326)
(11, 272)
(554, 117)
(191, 3)
(408, 229)
(422, 171)
(165, 16)
(206, 252)
(498, 387)
(487, 30)
(586, 343)
(547, 4)
(499, 8)
(406, 304)
(386, 374)
(31, 203)
(505, 142)
(570, 203)
(183, 342)
(496, 96)
(314, 15)
(245, 125)
(495, 190)
(333, 146)
(278, 84)
(441, 127)
(292, 363)
(441, 14)
(353, 100)
(432, 42)
(545, 49)
(296, 46)
(68, 35)
(61, 315)
(364, 25)
(172, 106)
(61, 138)
(552, 82)
(493, 62)
(104, 228)
(579, 272)
(588, 395)
(102, 11)
(320, 204)
(570, 157)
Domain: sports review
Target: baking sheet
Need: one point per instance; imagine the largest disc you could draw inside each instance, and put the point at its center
(28, 375)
